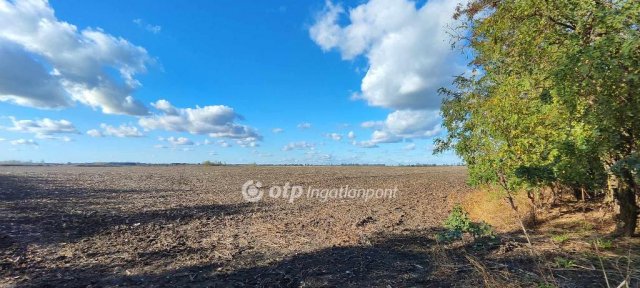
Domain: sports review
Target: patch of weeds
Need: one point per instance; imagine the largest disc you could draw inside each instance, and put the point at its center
(603, 243)
(545, 285)
(458, 223)
(561, 238)
(564, 262)
(585, 226)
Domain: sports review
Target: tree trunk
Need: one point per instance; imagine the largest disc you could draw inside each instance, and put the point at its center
(577, 193)
(626, 199)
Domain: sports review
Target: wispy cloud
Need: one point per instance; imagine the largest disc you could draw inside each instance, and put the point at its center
(155, 29)
(300, 145)
(24, 142)
(334, 136)
(304, 125)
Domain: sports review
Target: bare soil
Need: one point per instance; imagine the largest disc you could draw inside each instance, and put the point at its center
(190, 226)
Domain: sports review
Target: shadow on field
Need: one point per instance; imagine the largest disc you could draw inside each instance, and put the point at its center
(31, 213)
(390, 261)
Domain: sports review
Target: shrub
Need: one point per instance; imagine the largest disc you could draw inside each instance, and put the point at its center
(603, 243)
(564, 262)
(458, 223)
(210, 163)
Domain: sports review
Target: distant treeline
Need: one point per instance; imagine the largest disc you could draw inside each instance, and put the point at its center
(204, 163)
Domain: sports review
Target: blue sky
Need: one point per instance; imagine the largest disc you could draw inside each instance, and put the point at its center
(234, 81)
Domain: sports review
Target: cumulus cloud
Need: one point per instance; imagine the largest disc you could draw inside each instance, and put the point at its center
(277, 130)
(43, 128)
(413, 123)
(48, 63)
(382, 136)
(409, 57)
(405, 124)
(304, 125)
(351, 135)
(300, 145)
(406, 46)
(217, 121)
(25, 142)
(121, 131)
(26, 82)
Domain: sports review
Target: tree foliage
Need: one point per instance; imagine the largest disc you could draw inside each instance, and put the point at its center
(554, 96)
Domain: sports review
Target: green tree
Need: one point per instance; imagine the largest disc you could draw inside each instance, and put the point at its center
(554, 97)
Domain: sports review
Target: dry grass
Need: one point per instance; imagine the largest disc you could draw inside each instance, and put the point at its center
(570, 238)
(489, 205)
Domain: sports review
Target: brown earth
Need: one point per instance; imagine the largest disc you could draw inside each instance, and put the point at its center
(190, 226)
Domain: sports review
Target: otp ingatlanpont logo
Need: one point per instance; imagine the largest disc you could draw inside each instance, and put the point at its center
(251, 191)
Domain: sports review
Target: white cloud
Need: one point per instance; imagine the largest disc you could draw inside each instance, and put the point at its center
(351, 135)
(304, 125)
(217, 121)
(43, 128)
(407, 124)
(224, 144)
(365, 144)
(155, 29)
(179, 141)
(335, 136)
(300, 145)
(409, 57)
(248, 142)
(407, 48)
(2, 139)
(381, 136)
(372, 124)
(413, 123)
(277, 130)
(94, 133)
(26, 142)
(47, 63)
(52, 137)
(121, 131)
